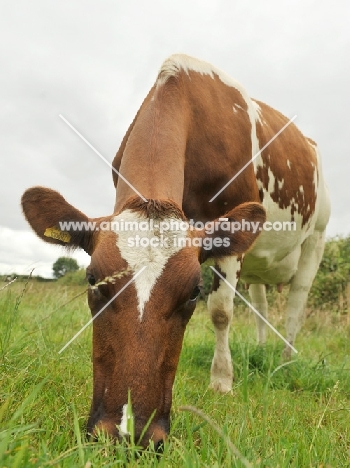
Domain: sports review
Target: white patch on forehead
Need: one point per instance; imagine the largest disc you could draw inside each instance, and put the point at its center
(147, 242)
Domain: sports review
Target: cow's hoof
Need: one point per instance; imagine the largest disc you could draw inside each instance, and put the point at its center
(221, 385)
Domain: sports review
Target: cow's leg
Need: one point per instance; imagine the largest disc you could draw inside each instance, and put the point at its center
(220, 306)
(309, 261)
(257, 294)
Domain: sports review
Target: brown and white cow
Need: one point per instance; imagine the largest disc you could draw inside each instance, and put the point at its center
(194, 131)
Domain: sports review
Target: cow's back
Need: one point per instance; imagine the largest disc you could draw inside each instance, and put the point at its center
(293, 191)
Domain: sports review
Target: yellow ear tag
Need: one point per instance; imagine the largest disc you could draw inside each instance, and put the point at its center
(56, 233)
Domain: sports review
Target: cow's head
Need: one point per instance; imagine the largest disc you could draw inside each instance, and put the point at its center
(137, 338)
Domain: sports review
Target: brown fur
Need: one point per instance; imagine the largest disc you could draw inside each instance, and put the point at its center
(184, 144)
(302, 159)
(156, 209)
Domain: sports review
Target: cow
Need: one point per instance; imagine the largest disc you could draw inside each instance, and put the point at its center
(195, 130)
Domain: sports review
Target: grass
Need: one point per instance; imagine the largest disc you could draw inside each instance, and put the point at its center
(297, 415)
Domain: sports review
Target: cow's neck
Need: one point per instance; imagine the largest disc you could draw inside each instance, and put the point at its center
(182, 146)
(154, 156)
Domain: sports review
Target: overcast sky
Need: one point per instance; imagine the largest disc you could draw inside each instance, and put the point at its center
(94, 62)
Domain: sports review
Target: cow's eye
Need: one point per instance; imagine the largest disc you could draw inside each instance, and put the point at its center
(91, 279)
(195, 293)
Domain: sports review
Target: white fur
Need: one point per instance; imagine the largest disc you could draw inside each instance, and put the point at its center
(276, 257)
(155, 258)
(177, 62)
(236, 107)
(123, 427)
(221, 302)
(258, 115)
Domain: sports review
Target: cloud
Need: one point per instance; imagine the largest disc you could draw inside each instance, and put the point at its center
(21, 251)
(94, 63)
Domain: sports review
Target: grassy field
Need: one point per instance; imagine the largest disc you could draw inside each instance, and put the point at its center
(297, 415)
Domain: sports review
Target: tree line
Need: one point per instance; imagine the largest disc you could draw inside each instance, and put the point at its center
(330, 289)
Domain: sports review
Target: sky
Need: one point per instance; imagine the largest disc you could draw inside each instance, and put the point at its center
(94, 62)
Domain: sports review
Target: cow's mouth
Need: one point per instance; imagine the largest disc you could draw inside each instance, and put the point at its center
(154, 436)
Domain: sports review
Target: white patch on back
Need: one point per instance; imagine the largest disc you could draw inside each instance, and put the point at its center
(259, 114)
(237, 107)
(154, 258)
(258, 111)
(172, 65)
(175, 63)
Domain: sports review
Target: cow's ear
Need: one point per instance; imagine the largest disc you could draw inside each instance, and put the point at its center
(234, 233)
(46, 211)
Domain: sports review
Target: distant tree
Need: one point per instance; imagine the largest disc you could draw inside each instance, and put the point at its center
(64, 265)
